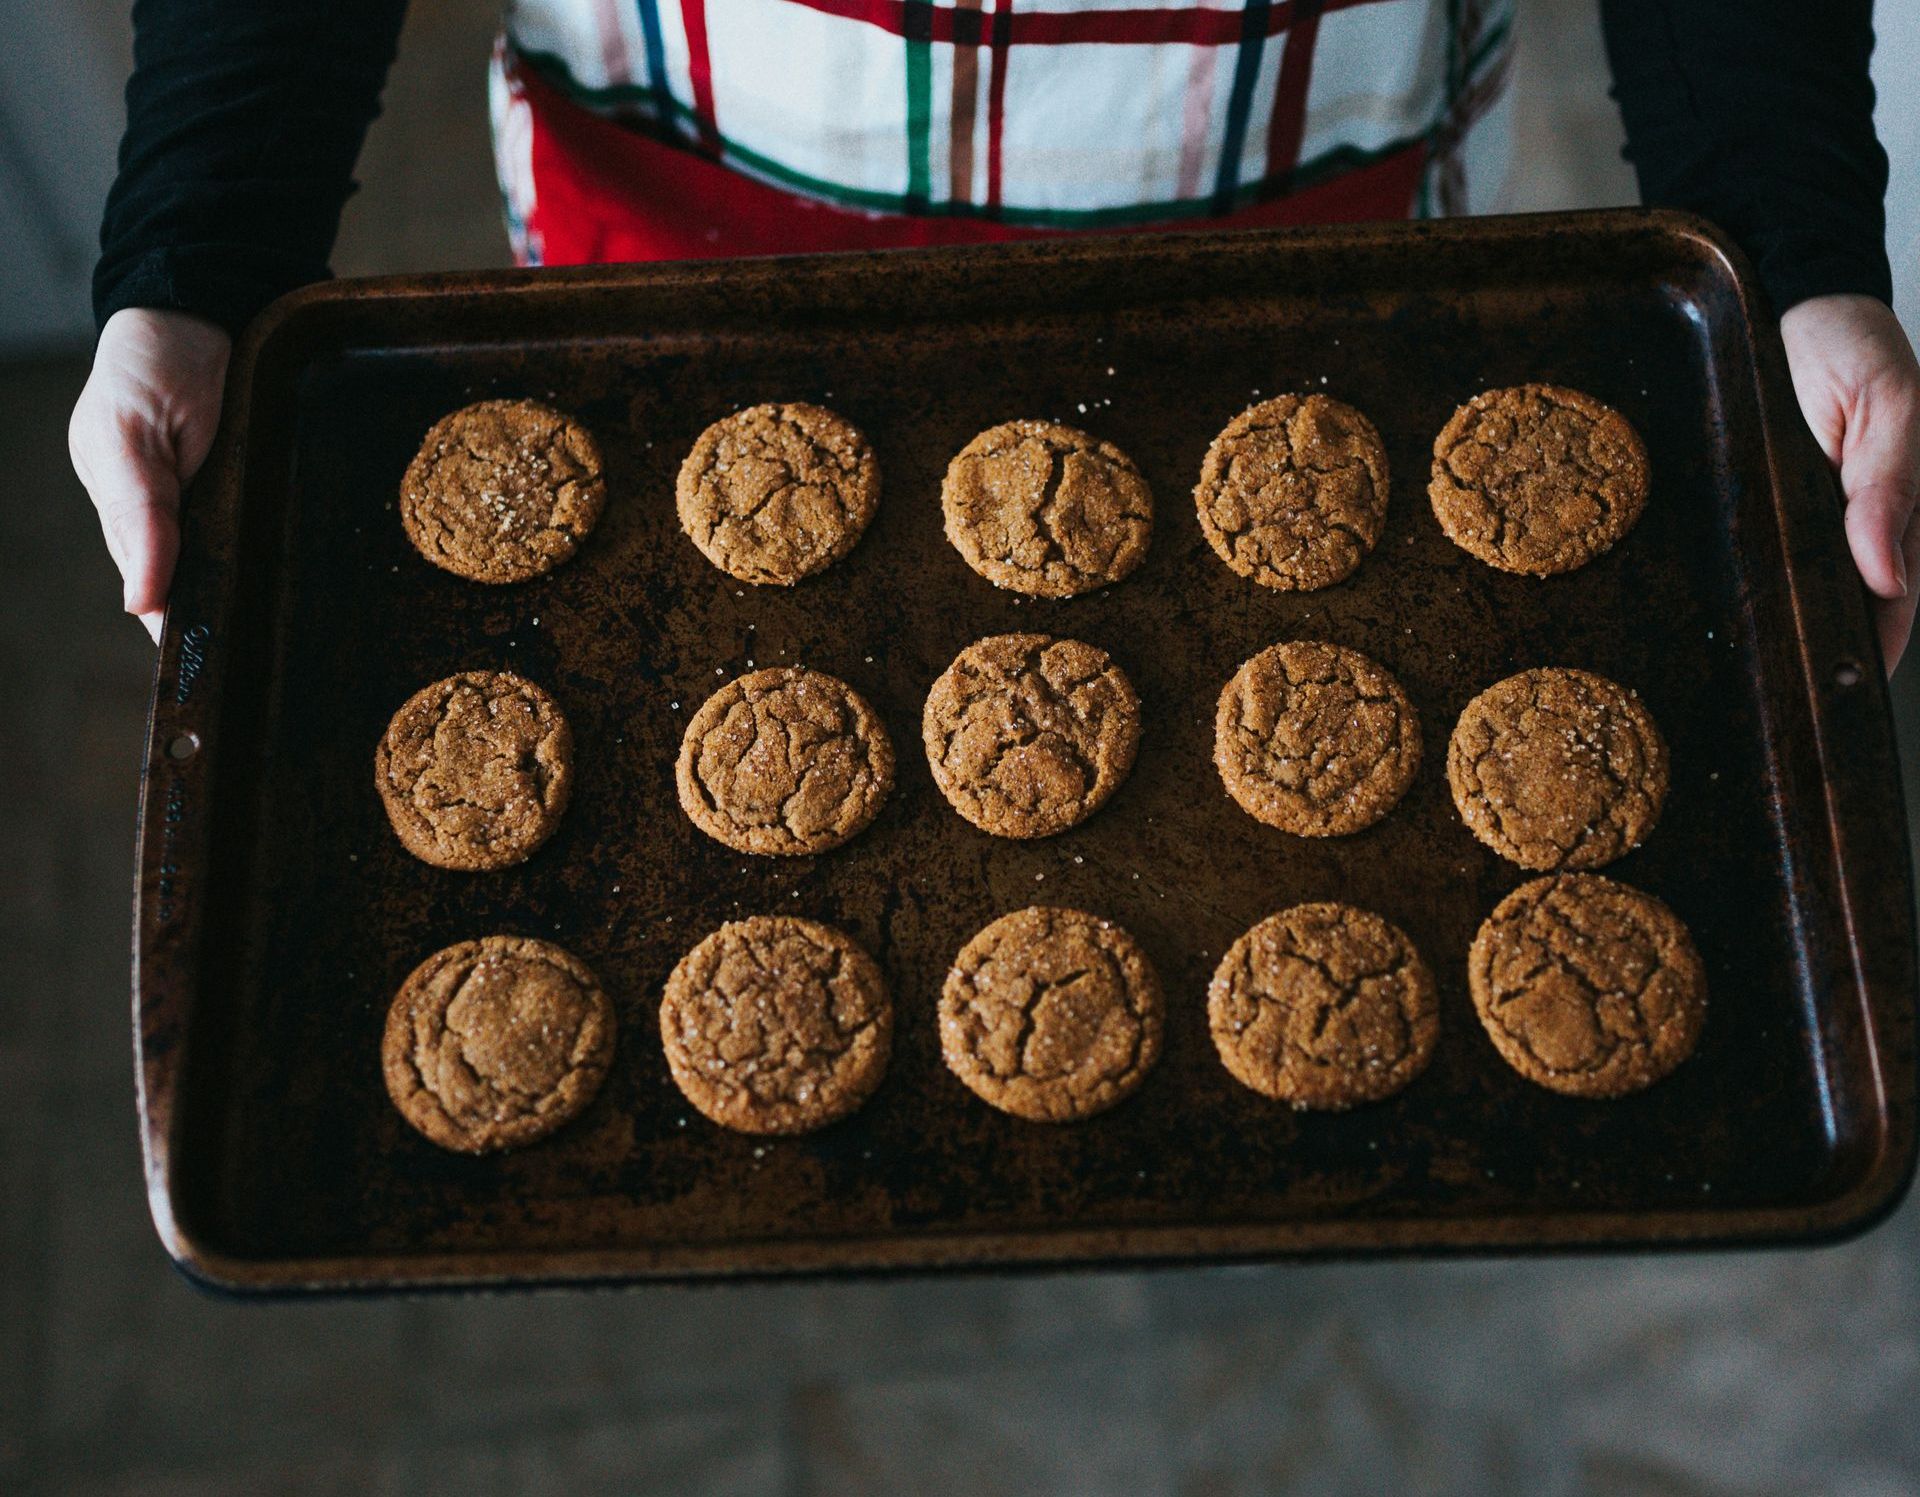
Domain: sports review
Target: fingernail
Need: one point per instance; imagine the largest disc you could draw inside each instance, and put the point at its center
(1899, 571)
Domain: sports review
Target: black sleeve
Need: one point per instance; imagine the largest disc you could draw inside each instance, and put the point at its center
(244, 118)
(1759, 115)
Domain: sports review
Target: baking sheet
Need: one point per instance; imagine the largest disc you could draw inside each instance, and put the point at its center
(276, 913)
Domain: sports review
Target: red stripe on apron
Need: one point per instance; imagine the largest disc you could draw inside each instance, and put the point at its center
(1000, 27)
(693, 14)
(1290, 97)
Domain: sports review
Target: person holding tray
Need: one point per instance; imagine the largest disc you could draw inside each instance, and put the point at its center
(671, 129)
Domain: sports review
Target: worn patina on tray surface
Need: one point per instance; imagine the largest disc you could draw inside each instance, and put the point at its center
(276, 913)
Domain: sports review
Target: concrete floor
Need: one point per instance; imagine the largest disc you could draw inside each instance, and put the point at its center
(1747, 1373)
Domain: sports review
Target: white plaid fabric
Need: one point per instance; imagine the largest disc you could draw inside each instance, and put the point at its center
(1063, 113)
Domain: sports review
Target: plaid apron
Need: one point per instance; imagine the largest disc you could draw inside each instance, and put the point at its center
(674, 129)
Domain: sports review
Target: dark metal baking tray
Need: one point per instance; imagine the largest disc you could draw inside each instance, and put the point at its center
(276, 914)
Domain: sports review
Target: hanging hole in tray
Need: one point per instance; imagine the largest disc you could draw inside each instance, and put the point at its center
(1847, 673)
(183, 746)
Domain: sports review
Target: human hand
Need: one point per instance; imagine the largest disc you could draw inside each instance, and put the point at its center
(140, 431)
(1859, 388)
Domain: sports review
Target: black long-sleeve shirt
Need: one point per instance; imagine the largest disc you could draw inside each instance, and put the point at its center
(1759, 115)
(244, 118)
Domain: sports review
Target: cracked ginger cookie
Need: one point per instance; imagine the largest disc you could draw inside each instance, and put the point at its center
(1293, 494)
(784, 762)
(475, 771)
(1046, 510)
(1028, 735)
(776, 493)
(1537, 479)
(1586, 986)
(502, 491)
(494, 1043)
(1051, 1015)
(1558, 769)
(1323, 1006)
(776, 1025)
(1315, 739)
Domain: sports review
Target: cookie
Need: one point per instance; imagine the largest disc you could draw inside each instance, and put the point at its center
(1046, 510)
(1537, 479)
(776, 1025)
(1029, 735)
(502, 491)
(776, 493)
(494, 1043)
(1051, 1015)
(784, 762)
(1315, 739)
(1323, 1006)
(475, 770)
(1294, 492)
(1558, 769)
(1586, 986)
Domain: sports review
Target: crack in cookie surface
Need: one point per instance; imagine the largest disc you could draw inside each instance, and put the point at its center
(491, 1044)
(1293, 493)
(1051, 1014)
(1558, 769)
(475, 770)
(502, 491)
(1323, 1006)
(1537, 479)
(784, 762)
(1028, 735)
(1046, 510)
(775, 1024)
(1587, 986)
(1315, 739)
(776, 493)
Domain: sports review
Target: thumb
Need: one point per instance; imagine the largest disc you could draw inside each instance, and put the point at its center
(1880, 474)
(136, 489)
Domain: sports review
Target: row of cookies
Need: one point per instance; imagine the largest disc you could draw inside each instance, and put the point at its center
(506, 490)
(1026, 736)
(1292, 493)
(780, 1025)
(1555, 769)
